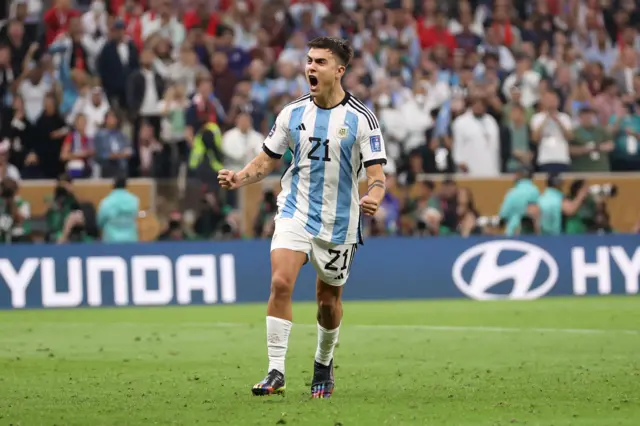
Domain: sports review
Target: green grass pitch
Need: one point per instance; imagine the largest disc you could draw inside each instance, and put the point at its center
(550, 362)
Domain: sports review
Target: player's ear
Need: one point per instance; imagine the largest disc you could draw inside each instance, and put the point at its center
(341, 70)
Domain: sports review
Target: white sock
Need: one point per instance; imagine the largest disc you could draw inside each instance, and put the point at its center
(327, 340)
(277, 342)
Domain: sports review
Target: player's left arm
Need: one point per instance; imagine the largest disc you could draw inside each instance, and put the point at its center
(374, 157)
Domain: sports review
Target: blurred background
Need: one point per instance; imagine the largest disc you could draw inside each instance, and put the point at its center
(489, 109)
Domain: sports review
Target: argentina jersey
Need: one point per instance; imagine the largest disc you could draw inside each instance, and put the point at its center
(329, 147)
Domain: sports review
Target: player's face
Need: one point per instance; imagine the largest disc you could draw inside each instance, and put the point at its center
(323, 71)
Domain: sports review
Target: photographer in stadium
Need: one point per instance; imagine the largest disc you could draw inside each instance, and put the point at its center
(592, 215)
(62, 204)
(554, 205)
(14, 213)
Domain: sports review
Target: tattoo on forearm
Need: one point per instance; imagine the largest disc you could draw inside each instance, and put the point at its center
(254, 172)
(376, 184)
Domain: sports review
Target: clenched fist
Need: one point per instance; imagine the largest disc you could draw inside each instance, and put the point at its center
(228, 179)
(369, 205)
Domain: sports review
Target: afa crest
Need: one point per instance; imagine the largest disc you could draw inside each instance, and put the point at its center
(342, 132)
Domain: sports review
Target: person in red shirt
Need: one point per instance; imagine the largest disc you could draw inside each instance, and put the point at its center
(202, 17)
(437, 34)
(56, 19)
(502, 24)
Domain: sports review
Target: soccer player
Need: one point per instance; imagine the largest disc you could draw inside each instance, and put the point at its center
(331, 135)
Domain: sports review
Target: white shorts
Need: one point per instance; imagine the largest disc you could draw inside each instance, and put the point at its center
(332, 262)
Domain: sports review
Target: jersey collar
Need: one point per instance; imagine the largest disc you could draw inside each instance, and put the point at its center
(344, 101)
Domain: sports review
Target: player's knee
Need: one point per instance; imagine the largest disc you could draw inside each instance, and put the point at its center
(281, 286)
(327, 304)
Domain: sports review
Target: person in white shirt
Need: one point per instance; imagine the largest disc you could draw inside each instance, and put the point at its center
(94, 106)
(552, 131)
(476, 141)
(95, 19)
(295, 50)
(165, 24)
(241, 144)
(317, 9)
(96, 31)
(33, 90)
(524, 78)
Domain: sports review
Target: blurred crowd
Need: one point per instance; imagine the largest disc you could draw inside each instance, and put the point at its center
(181, 88)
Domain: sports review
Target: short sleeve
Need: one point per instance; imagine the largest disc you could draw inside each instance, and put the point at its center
(277, 141)
(372, 147)
(566, 121)
(536, 121)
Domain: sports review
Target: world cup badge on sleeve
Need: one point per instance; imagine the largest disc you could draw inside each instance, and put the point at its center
(272, 131)
(376, 145)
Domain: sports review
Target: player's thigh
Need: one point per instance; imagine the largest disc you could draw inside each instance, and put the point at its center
(332, 262)
(290, 248)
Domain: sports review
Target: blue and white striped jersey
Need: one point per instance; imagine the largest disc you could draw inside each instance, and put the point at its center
(329, 147)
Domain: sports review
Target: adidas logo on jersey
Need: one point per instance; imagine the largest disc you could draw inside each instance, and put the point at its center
(340, 277)
(301, 127)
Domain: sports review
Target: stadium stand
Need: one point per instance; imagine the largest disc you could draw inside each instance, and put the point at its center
(469, 93)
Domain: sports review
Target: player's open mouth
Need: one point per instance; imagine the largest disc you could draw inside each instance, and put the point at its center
(313, 82)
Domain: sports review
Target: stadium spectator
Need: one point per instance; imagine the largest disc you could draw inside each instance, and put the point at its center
(27, 12)
(173, 126)
(202, 17)
(13, 130)
(145, 89)
(44, 143)
(149, 152)
(476, 141)
(241, 144)
(417, 64)
(57, 19)
(116, 62)
(33, 88)
(625, 129)
(113, 148)
(94, 106)
(118, 214)
(591, 145)
(551, 130)
(517, 137)
(78, 150)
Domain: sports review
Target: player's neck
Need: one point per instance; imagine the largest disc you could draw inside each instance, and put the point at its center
(331, 99)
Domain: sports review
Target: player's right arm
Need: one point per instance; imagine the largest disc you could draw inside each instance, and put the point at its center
(265, 162)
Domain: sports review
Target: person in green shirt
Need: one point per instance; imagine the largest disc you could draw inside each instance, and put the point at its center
(518, 131)
(553, 205)
(625, 129)
(591, 145)
(62, 204)
(581, 221)
(507, 109)
(514, 205)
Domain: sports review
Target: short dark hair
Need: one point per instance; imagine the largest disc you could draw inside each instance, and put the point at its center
(339, 47)
(120, 181)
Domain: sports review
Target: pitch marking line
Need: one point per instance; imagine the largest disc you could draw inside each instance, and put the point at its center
(456, 328)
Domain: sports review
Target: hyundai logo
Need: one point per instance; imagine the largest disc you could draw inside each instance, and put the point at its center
(532, 271)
